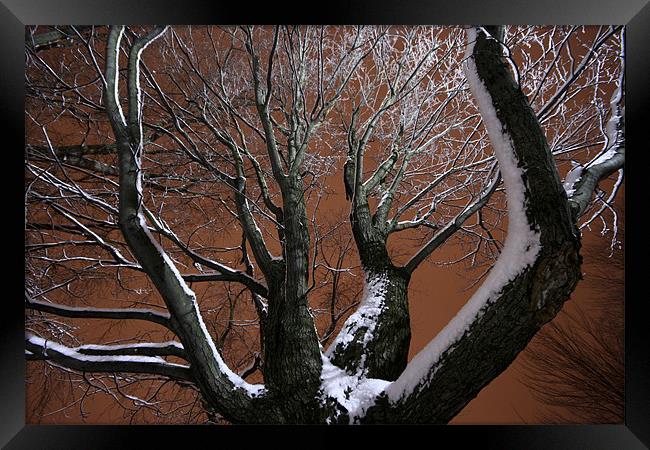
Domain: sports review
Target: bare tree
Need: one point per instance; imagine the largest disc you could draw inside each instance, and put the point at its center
(192, 179)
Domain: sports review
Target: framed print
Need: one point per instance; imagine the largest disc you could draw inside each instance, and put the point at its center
(384, 214)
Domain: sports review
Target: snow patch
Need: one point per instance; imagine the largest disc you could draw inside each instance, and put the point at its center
(354, 392)
(371, 306)
(572, 177)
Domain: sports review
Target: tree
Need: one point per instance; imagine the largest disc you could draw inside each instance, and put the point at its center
(131, 184)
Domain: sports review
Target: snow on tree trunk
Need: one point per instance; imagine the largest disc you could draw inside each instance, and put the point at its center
(374, 340)
(350, 395)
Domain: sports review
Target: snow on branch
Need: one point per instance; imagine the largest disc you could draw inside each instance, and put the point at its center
(170, 348)
(520, 249)
(356, 394)
(180, 300)
(74, 359)
(581, 182)
(364, 319)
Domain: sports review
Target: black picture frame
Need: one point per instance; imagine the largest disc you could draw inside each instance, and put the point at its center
(15, 14)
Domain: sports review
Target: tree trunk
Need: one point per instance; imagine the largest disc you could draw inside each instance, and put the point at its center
(375, 339)
(292, 361)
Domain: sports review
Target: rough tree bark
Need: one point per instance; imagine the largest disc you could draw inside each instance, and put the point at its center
(375, 339)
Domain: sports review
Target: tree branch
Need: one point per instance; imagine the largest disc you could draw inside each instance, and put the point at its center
(73, 359)
(170, 348)
(454, 225)
(612, 157)
(101, 313)
(217, 382)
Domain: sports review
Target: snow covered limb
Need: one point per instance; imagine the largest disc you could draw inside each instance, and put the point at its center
(535, 273)
(171, 348)
(612, 156)
(215, 380)
(373, 341)
(583, 189)
(82, 359)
